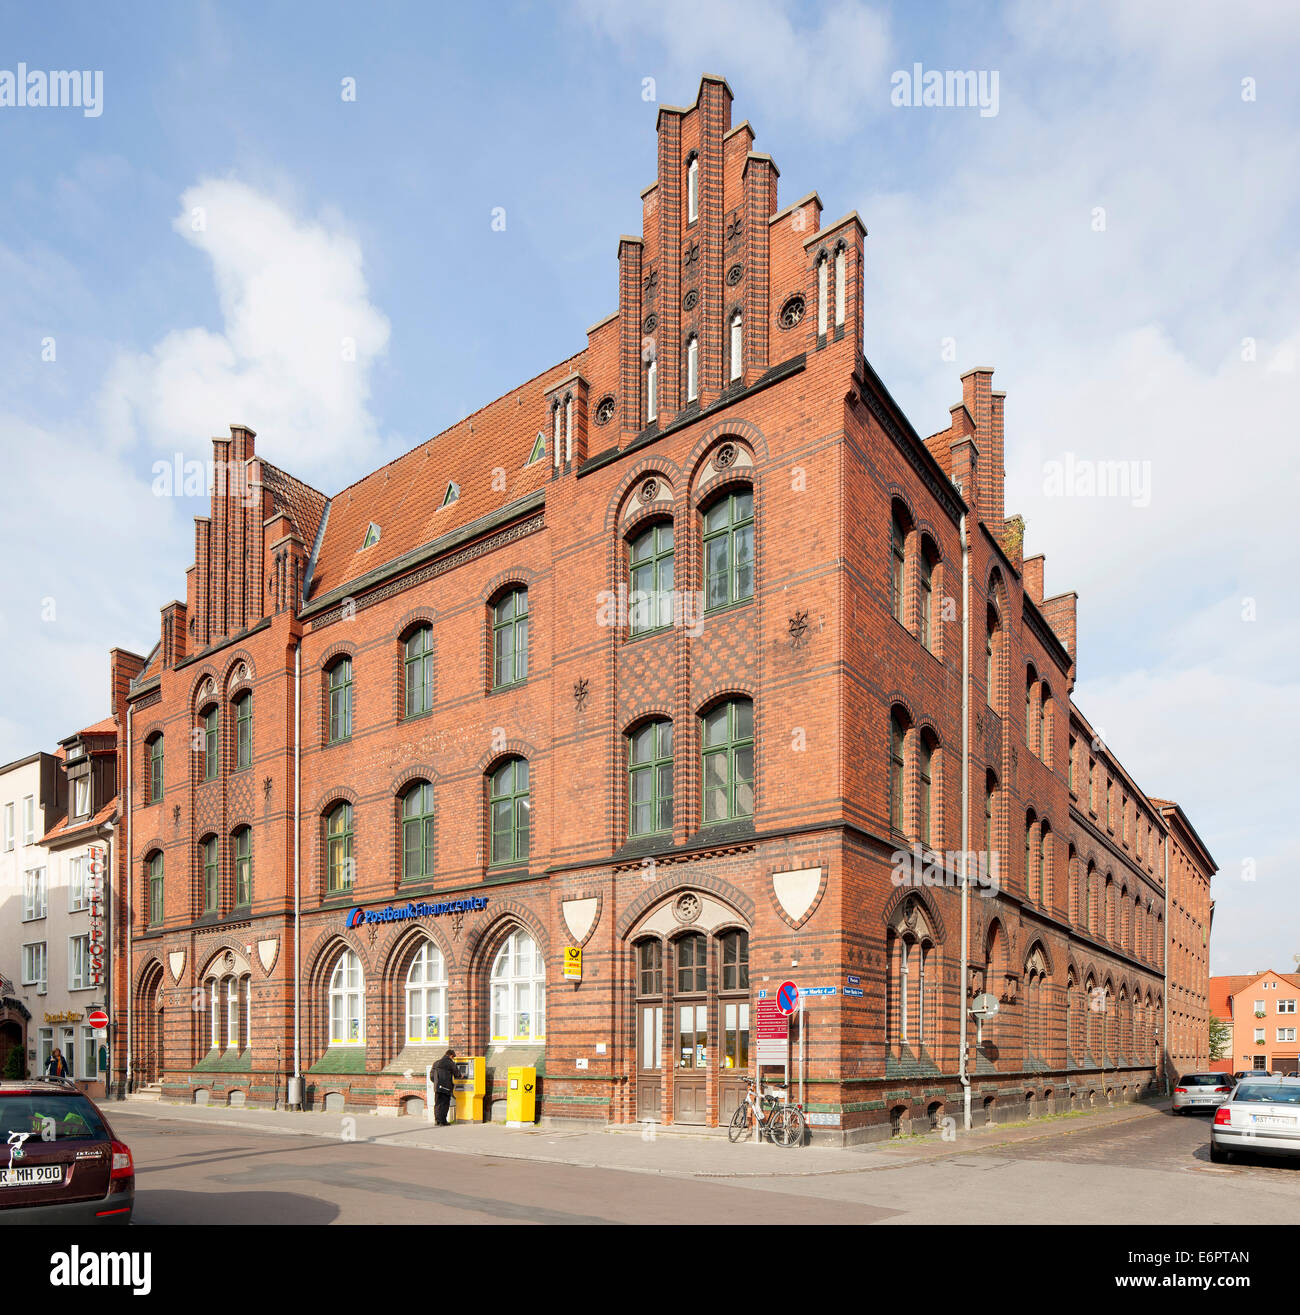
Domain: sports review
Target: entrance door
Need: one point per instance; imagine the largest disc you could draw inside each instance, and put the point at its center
(650, 1063)
(691, 1082)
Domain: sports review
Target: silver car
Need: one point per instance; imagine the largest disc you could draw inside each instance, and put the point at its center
(1201, 1091)
(1260, 1117)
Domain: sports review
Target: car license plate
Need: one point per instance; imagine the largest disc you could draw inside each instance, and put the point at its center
(31, 1175)
(1272, 1120)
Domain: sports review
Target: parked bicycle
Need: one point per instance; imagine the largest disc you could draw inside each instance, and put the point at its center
(780, 1122)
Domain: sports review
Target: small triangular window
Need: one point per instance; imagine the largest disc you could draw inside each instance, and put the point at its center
(453, 492)
(372, 535)
(539, 449)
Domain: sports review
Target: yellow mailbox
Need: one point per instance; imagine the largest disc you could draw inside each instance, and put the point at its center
(521, 1097)
(470, 1086)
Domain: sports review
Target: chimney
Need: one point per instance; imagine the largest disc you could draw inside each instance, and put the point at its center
(1032, 575)
(979, 399)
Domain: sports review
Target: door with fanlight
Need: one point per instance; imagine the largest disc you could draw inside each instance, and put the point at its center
(649, 1030)
(733, 1009)
(692, 1053)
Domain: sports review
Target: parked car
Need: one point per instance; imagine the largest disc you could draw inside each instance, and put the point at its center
(1201, 1091)
(1251, 1073)
(60, 1161)
(1261, 1117)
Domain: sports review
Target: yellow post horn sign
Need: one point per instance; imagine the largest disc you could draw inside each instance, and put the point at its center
(573, 961)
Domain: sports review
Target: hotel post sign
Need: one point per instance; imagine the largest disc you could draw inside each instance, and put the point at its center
(96, 863)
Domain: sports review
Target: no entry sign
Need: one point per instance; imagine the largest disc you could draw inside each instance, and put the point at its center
(97, 1019)
(787, 998)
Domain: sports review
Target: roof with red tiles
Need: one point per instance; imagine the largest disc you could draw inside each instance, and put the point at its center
(1221, 988)
(67, 829)
(304, 504)
(405, 497)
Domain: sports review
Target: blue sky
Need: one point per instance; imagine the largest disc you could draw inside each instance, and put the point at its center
(372, 219)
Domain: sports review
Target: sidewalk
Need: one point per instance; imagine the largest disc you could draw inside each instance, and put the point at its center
(703, 1155)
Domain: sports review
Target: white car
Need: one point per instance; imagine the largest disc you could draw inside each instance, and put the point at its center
(1260, 1117)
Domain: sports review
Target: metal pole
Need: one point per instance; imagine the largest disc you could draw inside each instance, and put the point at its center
(129, 859)
(963, 1075)
(803, 1023)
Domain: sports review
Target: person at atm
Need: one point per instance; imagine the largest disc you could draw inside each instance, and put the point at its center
(444, 1083)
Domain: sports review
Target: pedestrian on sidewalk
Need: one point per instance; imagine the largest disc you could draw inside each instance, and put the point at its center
(56, 1066)
(444, 1083)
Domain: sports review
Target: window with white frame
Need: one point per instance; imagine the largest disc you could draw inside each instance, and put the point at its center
(693, 190)
(89, 1052)
(1286, 1006)
(1286, 1033)
(78, 963)
(34, 894)
(737, 341)
(651, 413)
(76, 883)
(34, 965)
(518, 991)
(840, 263)
(44, 1045)
(692, 368)
(9, 827)
(823, 272)
(81, 796)
(426, 997)
(1259, 1006)
(1259, 1036)
(214, 1013)
(29, 819)
(347, 1002)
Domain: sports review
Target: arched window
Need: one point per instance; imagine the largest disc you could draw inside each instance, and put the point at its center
(210, 725)
(1091, 1012)
(246, 1010)
(840, 289)
(214, 1013)
(897, 739)
(211, 875)
(737, 343)
(347, 1002)
(728, 761)
(990, 656)
(518, 991)
(1044, 862)
(1044, 724)
(650, 779)
(823, 277)
(243, 867)
(693, 190)
(651, 560)
(651, 392)
(244, 731)
(232, 1013)
(925, 782)
(155, 778)
(692, 368)
(1071, 1017)
(1072, 887)
(154, 867)
(417, 661)
(650, 1013)
(1031, 713)
(338, 848)
(510, 639)
(925, 600)
(426, 997)
(734, 952)
(417, 831)
(509, 812)
(340, 700)
(1090, 899)
(1108, 927)
(898, 565)
(1031, 854)
(729, 549)
(990, 793)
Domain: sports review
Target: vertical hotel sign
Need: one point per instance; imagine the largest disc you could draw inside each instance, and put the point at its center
(96, 863)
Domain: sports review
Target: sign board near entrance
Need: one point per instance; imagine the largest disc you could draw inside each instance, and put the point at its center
(773, 1034)
(573, 961)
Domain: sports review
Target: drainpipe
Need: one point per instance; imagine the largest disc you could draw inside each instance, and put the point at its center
(1164, 1049)
(130, 887)
(962, 1073)
(297, 875)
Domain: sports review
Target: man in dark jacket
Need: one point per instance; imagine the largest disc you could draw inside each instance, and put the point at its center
(444, 1079)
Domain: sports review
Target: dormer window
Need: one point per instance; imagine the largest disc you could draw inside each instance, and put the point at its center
(693, 190)
(372, 536)
(539, 449)
(692, 368)
(81, 796)
(453, 492)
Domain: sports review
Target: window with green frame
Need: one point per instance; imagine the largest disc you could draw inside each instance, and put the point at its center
(243, 731)
(897, 739)
(509, 812)
(155, 889)
(651, 559)
(419, 672)
(650, 779)
(211, 727)
(729, 550)
(728, 751)
(338, 848)
(417, 832)
(510, 639)
(340, 700)
(156, 768)
(243, 867)
(211, 875)
(897, 563)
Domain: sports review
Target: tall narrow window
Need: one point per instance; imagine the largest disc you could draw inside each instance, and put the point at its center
(728, 767)
(735, 1013)
(990, 664)
(417, 832)
(925, 583)
(925, 758)
(347, 1002)
(1069, 766)
(340, 700)
(338, 848)
(418, 663)
(651, 603)
(211, 876)
(840, 269)
(155, 890)
(556, 447)
(737, 354)
(693, 190)
(896, 739)
(426, 997)
(1044, 887)
(568, 429)
(155, 769)
(729, 549)
(692, 368)
(650, 779)
(990, 790)
(517, 991)
(823, 271)
(510, 639)
(210, 741)
(897, 563)
(1044, 736)
(243, 731)
(243, 867)
(652, 392)
(1031, 881)
(510, 812)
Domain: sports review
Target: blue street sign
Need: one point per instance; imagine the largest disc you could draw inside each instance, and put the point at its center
(762, 995)
(819, 990)
(854, 981)
(852, 990)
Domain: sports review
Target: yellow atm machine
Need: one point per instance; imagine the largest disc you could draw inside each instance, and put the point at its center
(521, 1097)
(470, 1088)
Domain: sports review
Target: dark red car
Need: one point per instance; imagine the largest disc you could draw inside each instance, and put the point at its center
(59, 1160)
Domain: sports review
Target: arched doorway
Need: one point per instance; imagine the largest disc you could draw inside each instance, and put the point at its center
(150, 1057)
(11, 1038)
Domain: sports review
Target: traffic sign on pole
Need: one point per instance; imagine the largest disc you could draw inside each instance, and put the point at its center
(787, 998)
(97, 1019)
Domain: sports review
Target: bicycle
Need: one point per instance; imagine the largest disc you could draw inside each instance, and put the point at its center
(780, 1122)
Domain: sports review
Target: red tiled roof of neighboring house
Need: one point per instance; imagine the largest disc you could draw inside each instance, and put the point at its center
(106, 727)
(66, 828)
(405, 497)
(1221, 988)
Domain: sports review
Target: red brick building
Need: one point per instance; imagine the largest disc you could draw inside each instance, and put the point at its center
(659, 655)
